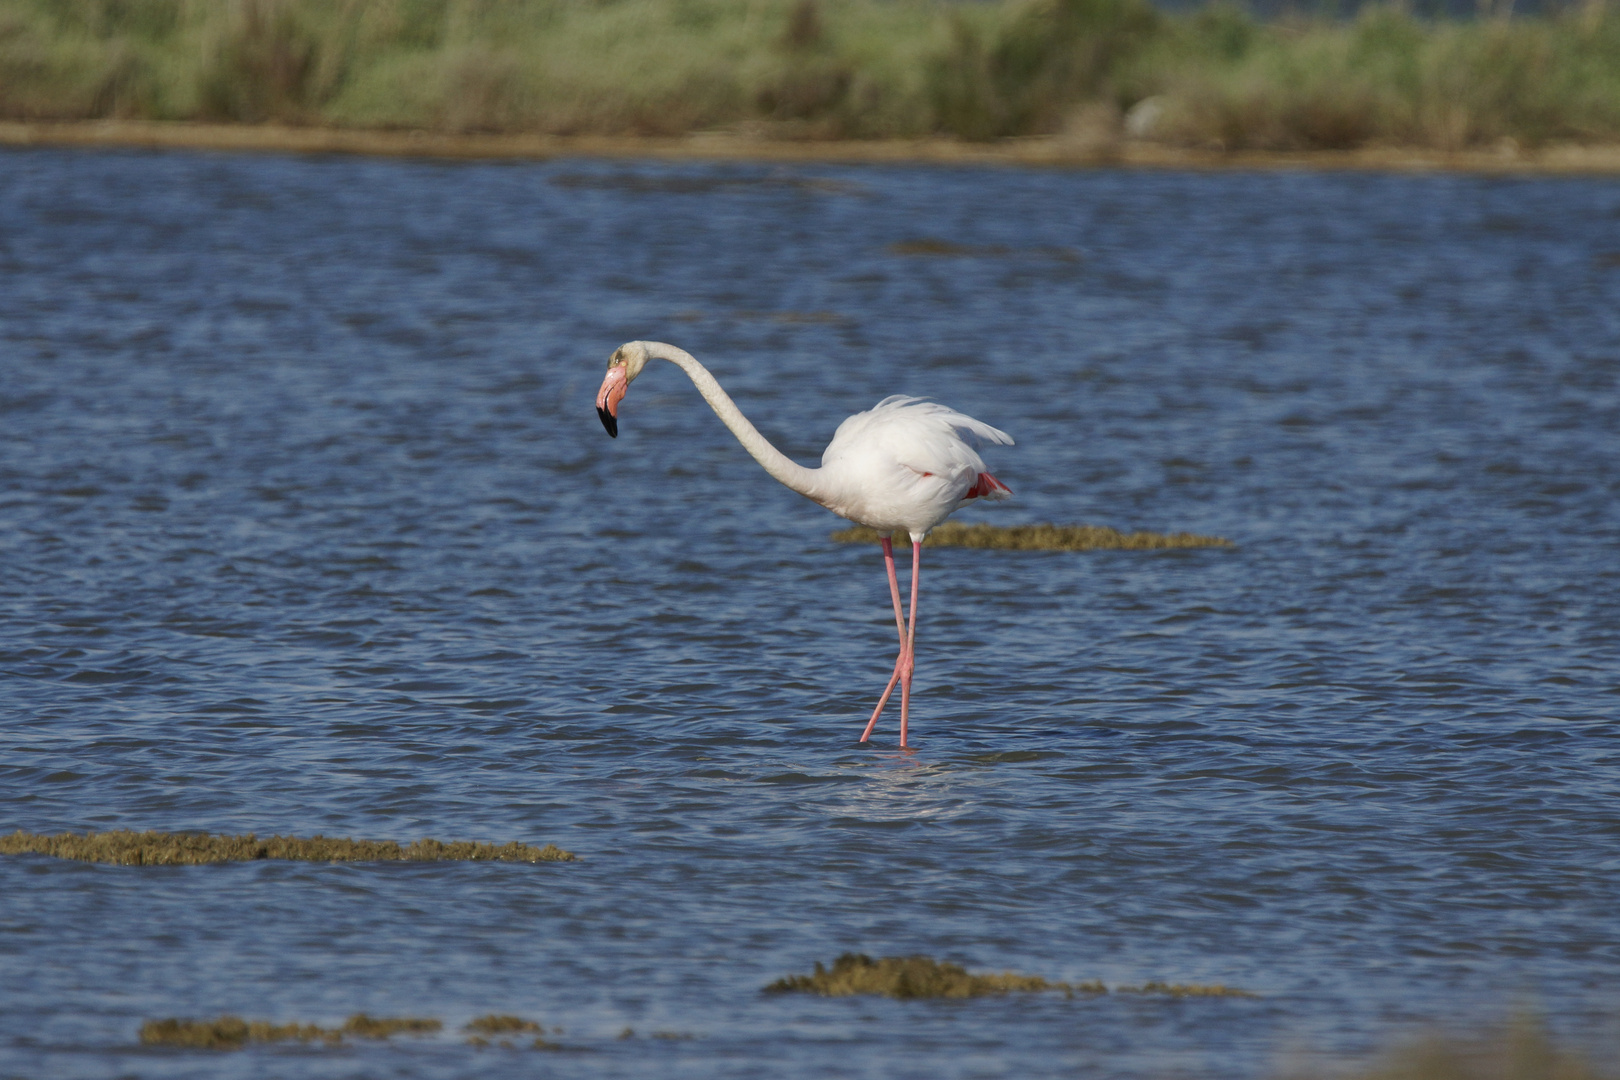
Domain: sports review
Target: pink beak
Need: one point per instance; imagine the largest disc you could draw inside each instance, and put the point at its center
(608, 398)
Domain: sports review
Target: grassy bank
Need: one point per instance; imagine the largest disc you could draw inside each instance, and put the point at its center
(1093, 71)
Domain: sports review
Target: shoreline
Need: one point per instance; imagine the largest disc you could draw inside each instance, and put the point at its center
(1036, 152)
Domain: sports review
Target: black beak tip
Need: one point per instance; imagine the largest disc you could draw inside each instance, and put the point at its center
(609, 421)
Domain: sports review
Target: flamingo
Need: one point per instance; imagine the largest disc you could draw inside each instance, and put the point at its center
(902, 465)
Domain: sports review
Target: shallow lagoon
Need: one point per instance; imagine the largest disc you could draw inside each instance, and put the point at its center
(307, 525)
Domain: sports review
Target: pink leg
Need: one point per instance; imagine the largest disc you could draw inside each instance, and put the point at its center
(911, 641)
(906, 662)
(900, 625)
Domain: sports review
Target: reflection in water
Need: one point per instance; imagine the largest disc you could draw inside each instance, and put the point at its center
(903, 786)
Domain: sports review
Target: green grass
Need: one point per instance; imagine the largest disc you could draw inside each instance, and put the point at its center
(1038, 538)
(126, 848)
(818, 69)
(1386, 78)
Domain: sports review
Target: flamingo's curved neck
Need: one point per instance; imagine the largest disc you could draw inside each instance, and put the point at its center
(778, 464)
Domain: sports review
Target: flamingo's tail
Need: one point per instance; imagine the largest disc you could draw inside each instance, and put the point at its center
(988, 487)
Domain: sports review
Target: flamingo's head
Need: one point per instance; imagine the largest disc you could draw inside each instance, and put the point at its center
(623, 366)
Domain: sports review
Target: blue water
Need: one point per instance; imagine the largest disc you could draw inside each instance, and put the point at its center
(307, 524)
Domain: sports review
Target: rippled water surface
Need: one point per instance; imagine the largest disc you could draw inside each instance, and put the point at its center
(307, 525)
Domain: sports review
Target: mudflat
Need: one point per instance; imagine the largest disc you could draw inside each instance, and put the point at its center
(1033, 151)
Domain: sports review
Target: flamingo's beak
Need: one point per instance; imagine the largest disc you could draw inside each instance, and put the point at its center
(608, 398)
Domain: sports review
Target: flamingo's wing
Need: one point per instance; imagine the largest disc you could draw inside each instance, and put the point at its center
(945, 419)
(923, 436)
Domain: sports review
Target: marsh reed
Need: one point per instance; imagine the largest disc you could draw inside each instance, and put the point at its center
(1094, 70)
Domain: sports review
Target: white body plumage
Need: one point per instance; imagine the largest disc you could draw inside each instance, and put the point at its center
(904, 466)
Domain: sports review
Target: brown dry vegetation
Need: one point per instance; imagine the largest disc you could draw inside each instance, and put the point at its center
(1102, 73)
(1038, 538)
(127, 848)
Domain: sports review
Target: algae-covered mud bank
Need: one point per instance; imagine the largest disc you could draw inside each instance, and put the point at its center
(1091, 79)
(916, 977)
(309, 530)
(233, 1033)
(910, 977)
(500, 1030)
(127, 848)
(1519, 1050)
